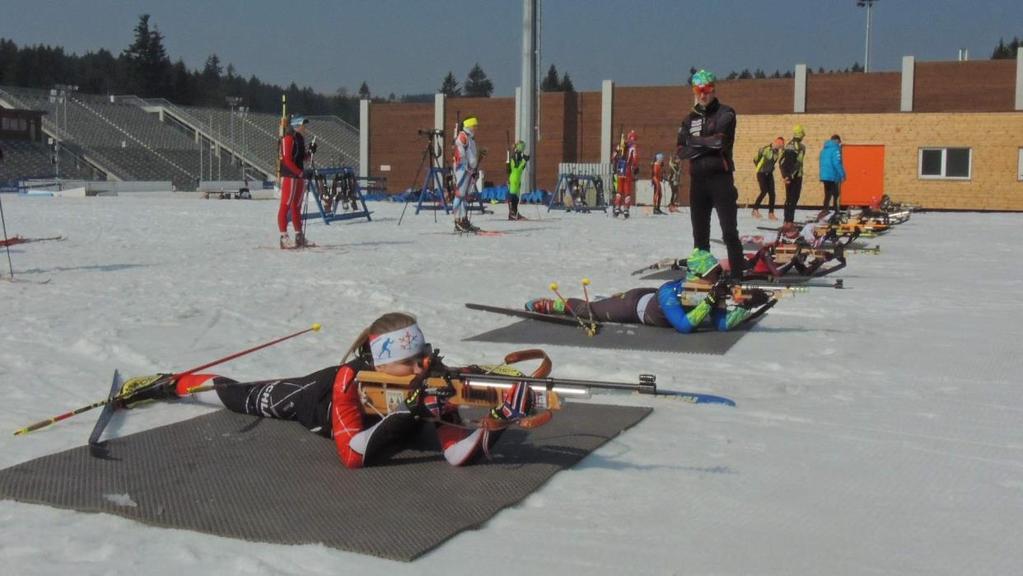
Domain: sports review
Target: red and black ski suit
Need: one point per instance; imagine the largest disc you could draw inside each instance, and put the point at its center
(292, 167)
(327, 402)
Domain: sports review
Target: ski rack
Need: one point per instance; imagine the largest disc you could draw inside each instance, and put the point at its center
(557, 199)
(330, 214)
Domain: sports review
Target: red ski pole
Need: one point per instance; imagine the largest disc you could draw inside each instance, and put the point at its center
(66, 415)
(313, 328)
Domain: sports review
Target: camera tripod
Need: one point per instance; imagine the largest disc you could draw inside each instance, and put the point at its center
(435, 185)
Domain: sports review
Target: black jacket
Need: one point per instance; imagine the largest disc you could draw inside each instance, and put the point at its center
(706, 138)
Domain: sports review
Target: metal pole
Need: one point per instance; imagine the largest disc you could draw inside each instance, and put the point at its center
(868, 4)
(527, 114)
(56, 141)
(866, 57)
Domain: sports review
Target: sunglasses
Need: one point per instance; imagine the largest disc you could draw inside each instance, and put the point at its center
(703, 89)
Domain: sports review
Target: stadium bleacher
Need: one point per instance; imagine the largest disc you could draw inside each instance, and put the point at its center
(34, 160)
(134, 139)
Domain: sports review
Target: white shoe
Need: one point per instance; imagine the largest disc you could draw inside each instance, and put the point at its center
(286, 242)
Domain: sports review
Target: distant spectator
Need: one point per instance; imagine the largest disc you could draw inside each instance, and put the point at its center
(832, 174)
(764, 161)
(293, 154)
(656, 169)
(674, 181)
(791, 168)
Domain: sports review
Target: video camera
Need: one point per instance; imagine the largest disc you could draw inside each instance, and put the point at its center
(431, 133)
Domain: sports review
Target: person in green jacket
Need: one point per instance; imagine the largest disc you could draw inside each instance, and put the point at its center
(764, 161)
(516, 165)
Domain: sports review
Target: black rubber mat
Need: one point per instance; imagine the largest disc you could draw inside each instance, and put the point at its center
(272, 481)
(616, 336)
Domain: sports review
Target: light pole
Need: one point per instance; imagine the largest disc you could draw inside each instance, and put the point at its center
(59, 95)
(233, 102)
(242, 113)
(869, 4)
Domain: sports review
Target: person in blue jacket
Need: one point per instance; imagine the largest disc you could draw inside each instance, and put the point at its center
(665, 306)
(832, 174)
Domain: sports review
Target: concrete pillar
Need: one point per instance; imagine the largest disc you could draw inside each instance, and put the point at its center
(439, 103)
(363, 138)
(607, 92)
(799, 93)
(908, 71)
(1019, 78)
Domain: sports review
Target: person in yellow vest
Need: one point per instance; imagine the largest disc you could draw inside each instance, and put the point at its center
(764, 161)
(791, 167)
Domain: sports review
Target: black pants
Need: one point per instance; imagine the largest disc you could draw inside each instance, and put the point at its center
(792, 192)
(766, 182)
(305, 399)
(831, 193)
(621, 308)
(716, 192)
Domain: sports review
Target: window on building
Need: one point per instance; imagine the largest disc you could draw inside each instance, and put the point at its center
(946, 163)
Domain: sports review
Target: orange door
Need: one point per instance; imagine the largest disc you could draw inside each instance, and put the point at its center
(864, 170)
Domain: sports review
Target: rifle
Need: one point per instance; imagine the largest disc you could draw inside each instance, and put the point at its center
(471, 388)
(281, 129)
(479, 386)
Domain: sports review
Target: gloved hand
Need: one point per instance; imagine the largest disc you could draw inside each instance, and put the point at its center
(308, 173)
(312, 147)
(719, 292)
(518, 403)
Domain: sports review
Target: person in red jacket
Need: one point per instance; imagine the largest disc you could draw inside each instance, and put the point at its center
(656, 170)
(328, 401)
(293, 154)
(625, 162)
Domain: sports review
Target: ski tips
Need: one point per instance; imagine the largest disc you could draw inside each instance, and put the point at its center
(315, 327)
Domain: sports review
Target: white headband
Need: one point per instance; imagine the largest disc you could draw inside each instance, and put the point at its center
(398, 345)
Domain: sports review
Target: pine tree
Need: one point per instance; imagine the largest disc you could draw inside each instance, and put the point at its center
(449, 86)
(364, 93)
(149, 67)
(566, 83)
(550, 82)
(477, 85)
(1006, 51)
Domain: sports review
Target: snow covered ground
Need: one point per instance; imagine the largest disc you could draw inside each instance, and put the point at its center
(878, 428)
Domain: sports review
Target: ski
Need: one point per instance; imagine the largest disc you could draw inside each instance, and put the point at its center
(568, 320)
(96, 448)
(663, 264)
(696, 397)
(22, 240)
(479, 232)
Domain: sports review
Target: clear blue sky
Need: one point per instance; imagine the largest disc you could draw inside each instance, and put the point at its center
(408, 46)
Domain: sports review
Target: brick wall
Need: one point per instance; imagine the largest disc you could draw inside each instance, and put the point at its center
(863, 93)
(862, 108)
(975, 86)
(994, 137)
(393, 142)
